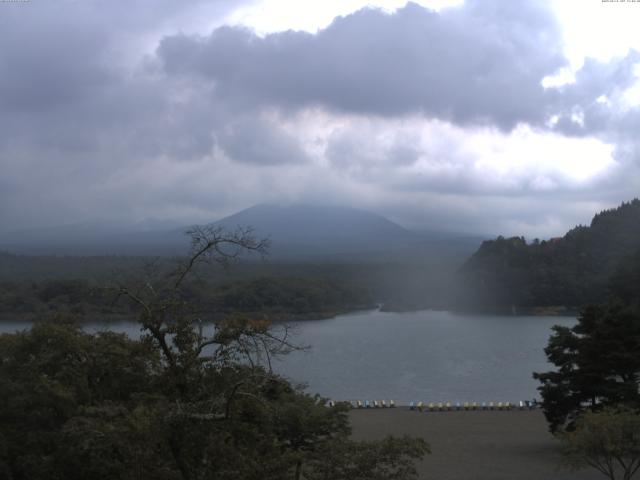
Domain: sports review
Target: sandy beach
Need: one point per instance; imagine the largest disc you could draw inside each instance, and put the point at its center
(474, 445)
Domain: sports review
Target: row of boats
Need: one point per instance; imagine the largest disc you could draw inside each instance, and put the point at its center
(368, 404)
(445, 406)
(449, 406)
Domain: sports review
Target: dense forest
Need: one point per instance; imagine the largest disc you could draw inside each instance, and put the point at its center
(297, 289)
(565, 272)
(278, 298)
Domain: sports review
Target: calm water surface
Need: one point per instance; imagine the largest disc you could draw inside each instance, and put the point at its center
(427, 355)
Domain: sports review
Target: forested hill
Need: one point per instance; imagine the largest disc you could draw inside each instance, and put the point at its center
(570, 271)
(276, 298)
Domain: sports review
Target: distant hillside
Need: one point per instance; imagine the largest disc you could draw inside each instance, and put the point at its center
(297, 232)
(97, 238)
(570, 271)
(309, 230)
(277, 298)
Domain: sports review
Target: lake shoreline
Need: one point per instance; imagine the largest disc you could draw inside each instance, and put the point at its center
(285, 317)
(547, 311)
(432, 356)
(108, 318)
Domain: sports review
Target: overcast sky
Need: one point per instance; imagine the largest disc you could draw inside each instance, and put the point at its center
(486, 116)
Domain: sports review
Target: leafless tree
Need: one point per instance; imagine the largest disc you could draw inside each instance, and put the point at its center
(175, 326)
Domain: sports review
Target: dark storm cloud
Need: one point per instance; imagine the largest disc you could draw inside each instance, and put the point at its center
(358, 145)
(259, 142)
(79, 106)
(46, 66)
(99, 117)
(481, 63)
(72, 78)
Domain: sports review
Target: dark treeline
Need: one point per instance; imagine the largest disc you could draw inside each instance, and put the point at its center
(38, 267)
(304, 289)
(549, 276)
(278, 298)
(568, 272)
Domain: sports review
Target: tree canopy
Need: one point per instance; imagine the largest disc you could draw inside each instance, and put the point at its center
(597, 360)
(570, 271)
(182, 402)
(608, 441)
(598, 364)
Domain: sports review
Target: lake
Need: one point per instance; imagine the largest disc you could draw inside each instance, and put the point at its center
(426, 355)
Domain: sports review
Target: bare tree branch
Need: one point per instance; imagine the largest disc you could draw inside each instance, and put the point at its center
(209, 240)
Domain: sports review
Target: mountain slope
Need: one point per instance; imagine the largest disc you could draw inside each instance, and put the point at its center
(319, 230)
(296, 232)
(570, 271)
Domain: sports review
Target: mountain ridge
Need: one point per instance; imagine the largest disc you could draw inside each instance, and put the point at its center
(296, 231)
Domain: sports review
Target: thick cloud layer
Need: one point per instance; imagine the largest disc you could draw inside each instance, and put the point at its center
(481, 64)
(437, 119)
